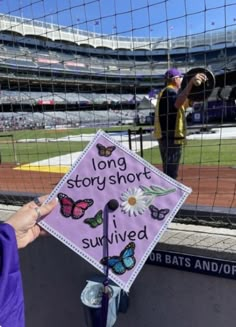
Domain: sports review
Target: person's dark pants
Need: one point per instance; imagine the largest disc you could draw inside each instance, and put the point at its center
(170, 155)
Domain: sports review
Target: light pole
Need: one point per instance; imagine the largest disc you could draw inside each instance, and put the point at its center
(190, 36)
(169, 47)
(78, 23)
(96, 23)
(114, 33)
(212, 24)
(21, 12)
(150, 33)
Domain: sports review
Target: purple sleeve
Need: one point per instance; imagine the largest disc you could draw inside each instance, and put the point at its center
(11, 292)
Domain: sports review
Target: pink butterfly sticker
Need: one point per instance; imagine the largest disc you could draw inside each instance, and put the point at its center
(71, 208)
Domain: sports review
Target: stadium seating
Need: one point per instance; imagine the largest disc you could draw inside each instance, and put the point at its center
(80, 76)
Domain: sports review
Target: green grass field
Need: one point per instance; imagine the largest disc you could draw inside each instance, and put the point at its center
(208, 152)
(56, 133)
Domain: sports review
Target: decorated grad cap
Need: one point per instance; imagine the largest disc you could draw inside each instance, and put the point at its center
(173, 72)
(110, 198)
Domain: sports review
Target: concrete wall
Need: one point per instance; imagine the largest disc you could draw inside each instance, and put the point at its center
(54, 278)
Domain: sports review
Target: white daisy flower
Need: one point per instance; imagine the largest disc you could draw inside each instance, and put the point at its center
(133, 201)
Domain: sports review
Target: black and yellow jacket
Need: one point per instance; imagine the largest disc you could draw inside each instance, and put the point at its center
(170, 122)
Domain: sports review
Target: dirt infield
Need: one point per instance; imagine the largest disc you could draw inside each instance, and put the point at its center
(212, 186)
(25, 181)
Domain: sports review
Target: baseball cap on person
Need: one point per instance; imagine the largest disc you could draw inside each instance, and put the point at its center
(173, 72)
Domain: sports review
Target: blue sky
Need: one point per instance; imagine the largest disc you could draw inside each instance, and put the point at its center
(150, 18)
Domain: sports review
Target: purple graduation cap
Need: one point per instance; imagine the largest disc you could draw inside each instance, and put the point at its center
(146, 199)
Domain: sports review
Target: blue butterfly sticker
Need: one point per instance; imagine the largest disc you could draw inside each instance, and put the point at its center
(158, 214)
(125, 261)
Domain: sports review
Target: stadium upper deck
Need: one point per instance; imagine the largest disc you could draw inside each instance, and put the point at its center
(203, 42)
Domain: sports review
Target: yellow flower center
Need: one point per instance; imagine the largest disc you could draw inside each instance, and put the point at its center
(132, 201)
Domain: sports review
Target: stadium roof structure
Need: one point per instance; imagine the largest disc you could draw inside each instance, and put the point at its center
(49, 31)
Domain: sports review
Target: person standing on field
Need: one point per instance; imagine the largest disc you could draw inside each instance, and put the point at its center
(170, 121)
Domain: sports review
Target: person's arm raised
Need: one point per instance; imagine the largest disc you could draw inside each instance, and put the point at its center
(184, 94)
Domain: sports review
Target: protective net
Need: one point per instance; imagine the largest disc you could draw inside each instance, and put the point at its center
(70, 68)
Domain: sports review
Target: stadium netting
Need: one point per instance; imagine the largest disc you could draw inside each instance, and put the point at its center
(73, 67)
